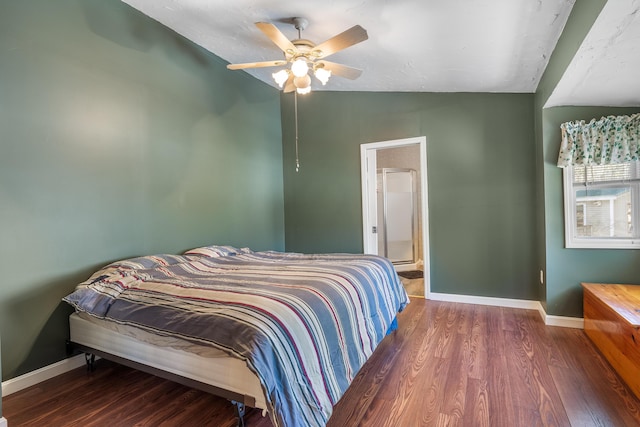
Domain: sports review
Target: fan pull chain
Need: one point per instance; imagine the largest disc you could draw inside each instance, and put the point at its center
(295, 107)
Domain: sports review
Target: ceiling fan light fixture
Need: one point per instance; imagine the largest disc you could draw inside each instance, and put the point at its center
(281, 77)
(322, 74)
(299, 67)
(302, 55)
(304, 59)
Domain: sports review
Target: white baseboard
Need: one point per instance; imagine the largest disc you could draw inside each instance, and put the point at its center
(3, 422)
(567, 322)
(496, 302)
(32, 378)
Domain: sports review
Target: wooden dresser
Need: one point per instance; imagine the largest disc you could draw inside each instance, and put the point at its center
(612, 322)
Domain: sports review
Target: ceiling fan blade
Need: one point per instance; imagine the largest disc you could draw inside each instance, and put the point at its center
(276, 36)
(353, 35)
(289, 86)
(256, 65)
(341, 70)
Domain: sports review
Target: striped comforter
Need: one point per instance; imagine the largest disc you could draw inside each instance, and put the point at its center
(304, 323)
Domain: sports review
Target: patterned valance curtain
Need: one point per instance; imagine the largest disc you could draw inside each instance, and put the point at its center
(610, 140)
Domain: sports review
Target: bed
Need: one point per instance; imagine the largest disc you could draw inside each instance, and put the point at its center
(283, 332)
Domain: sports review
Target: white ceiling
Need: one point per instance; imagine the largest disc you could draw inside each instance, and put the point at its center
(421, 45)
(606, 68)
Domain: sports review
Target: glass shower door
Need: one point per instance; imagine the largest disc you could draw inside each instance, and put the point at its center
(397, 205)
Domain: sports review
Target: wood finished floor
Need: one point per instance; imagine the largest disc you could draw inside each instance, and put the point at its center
(448, 364)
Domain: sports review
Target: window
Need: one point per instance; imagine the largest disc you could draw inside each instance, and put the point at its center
(602, 206)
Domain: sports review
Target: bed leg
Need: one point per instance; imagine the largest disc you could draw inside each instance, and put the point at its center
(240, 410)
(91, 361)
(69, 348)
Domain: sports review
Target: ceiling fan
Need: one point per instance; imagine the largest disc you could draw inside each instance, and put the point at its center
(305, 56)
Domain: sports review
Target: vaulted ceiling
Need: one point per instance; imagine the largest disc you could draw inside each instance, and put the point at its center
(429, 45)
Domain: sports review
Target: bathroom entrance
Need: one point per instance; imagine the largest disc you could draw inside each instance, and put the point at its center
(394, 195)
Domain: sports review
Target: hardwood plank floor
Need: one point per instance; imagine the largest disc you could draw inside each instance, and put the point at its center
(448, 364)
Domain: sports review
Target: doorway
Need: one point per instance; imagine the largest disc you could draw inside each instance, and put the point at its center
(395, 208)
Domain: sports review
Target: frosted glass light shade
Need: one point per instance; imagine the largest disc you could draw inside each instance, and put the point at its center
(281, 77)
(302, 82)
(299, 67)
(323, 75)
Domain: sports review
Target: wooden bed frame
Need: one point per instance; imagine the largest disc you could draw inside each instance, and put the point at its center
(176, 365)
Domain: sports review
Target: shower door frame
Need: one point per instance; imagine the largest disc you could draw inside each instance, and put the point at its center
(368, 171)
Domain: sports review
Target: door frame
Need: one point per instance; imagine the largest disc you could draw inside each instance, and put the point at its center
(368, 166)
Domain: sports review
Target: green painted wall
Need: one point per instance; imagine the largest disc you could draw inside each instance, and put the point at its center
(583, 15)
(481, 174)
(118, 138)
(566, 268)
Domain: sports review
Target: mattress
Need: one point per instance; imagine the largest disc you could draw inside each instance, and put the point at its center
(199, 363)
